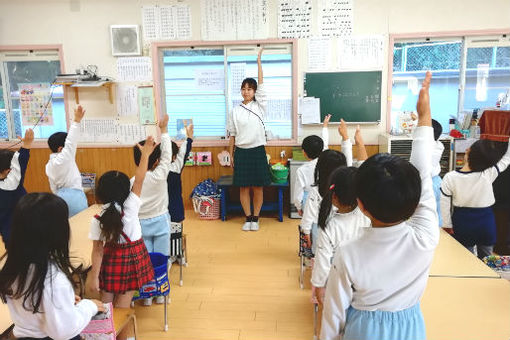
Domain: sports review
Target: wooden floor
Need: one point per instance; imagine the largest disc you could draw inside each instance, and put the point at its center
(238, 285)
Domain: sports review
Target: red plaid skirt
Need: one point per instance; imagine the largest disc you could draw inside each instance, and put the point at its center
(125, 267)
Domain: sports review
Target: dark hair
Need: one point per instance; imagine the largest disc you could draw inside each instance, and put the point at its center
(389, 187)
(153, 158)
(252, 83)
(328, 161)
(313, 146)
(39, 235)
(438, 129)
(175, 149)
(483, 154)
(5, 159)
(56, 140)
(112, 187)
(344, 188)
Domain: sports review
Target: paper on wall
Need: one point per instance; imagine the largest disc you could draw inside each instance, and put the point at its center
(150, 19)
(167, 26)
(35, 103)
(360, 52)
(134, 69)
(238, 74)
(183, 22)
(294, 18)
(319, 54)
(335, 17)
(98, 130)
(310, 110)
(211, 79)
(131, 133)
(146, 105)
(166, 22)
(127, 105)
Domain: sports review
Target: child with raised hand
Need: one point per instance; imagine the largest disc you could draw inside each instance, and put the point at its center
(13, 166)
(376, 281)
(470, 192)
(36, 279)
(312, 147)
(120, 262)
(61, 169)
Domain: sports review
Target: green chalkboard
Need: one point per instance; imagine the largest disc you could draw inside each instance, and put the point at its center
(353, 96)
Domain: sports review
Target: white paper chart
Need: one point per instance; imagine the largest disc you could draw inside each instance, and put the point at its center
(234, 19)
(126, 98)
(166, 22)
(360, 52)
(335, 17)
(319, 54)
(98, 130)
(134, 69)
(309, 109)
(131, 133)
(213, 79)
(294, 18)
(238, 74)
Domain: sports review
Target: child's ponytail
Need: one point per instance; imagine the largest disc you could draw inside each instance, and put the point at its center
(325, 210)
(111, 222)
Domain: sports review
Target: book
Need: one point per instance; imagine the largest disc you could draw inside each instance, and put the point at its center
(181, 128)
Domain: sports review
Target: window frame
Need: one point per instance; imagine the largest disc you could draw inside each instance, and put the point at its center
(19, 53)
(158, 76)
(466, 37)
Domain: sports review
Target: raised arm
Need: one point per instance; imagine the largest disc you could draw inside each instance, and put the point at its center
(259, 64)
(68, 153)
(163, 168)
(424, 220)
(346, 142)
(493, 172)
(184, 151)
(19, 163)
(362, 151)
(141, 169)
(325, 131)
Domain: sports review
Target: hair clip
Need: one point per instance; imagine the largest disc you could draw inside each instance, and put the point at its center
(331, 187)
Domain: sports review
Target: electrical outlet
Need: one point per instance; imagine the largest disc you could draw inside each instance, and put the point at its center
(282, 154)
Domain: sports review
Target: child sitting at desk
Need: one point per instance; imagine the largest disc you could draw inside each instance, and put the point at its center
(13, 166)
(61, 169)
(36, 279)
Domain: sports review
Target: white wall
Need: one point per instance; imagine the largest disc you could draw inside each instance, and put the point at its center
(82, 27)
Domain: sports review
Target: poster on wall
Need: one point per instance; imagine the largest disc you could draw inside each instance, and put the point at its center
(35, 104)
(146, 105)
(210, 79)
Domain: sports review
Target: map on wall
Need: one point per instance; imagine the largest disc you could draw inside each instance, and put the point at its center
(35, 104)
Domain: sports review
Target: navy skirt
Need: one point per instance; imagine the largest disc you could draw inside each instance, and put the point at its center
(472, 226)
(251, 168)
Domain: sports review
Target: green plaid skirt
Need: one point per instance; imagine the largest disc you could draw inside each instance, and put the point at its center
(251, 168)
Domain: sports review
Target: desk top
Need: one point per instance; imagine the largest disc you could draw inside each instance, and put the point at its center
(225, 181)
(466, 308)
(452, 259)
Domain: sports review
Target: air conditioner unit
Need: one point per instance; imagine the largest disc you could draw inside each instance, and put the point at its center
(125, 40)
(401, 146)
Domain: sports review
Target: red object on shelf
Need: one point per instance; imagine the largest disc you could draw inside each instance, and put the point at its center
(456, 134)
(495, 125)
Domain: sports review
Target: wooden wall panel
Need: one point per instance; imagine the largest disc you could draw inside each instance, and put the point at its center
(101, 160)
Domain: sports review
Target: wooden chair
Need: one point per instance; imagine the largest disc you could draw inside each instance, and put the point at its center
(122, 317)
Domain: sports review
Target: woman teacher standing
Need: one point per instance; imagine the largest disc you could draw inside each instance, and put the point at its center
(247, 134)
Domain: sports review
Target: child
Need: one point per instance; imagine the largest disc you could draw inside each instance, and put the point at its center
(174, 185)
(339, 227)
(120, 262)
(470, 192)
(312, 147)
(61, 169)
(13, 166)
(247, 133)
(437, 153)
(328, 161)
(376, 281)
(36, 279)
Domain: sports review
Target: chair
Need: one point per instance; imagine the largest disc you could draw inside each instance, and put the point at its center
(304, 253)
(178, 247)
(123, 317)
(160, 286)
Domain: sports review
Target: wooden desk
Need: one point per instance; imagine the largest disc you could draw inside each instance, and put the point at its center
(452, 259)
(467, 308)
(81, 245)
(123, 317)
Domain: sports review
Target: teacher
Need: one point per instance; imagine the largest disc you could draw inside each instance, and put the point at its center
(247, 134)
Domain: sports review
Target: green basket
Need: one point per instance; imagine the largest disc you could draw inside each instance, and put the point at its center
(279, 175)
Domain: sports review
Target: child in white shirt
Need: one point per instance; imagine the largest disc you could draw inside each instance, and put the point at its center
(470, 192)
(437, 153)
(36, 279)
(376, 281)
(61, 169)
(153, 214)
(312, 147)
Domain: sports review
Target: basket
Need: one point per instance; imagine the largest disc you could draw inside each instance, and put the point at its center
(279, 174)
(159, 286)
(207, 207)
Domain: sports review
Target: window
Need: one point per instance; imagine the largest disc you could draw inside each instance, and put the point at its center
(203, 83)
(484, 76)
(24, 69)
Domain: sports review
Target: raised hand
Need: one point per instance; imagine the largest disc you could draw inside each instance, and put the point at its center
(147, 148)
(189, 131)
(342, 130)
(163, 123)
(326, 120)
(79, 112)
(423, 104)
(29, 138)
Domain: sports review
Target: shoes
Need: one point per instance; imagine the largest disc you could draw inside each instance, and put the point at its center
(160, 300)
(247, 226)
(147, 302)
(254, 226)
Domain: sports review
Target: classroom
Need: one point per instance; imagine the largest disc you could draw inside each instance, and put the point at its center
(344, 80)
